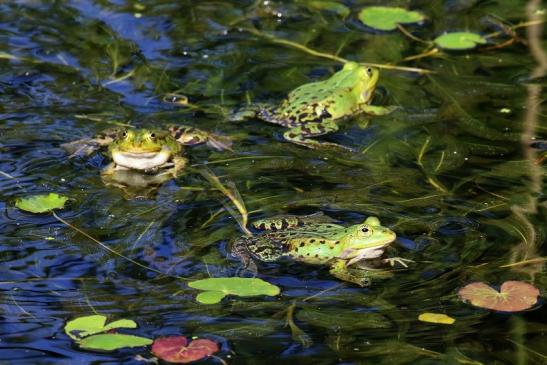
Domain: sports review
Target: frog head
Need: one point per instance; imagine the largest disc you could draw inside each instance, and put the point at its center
(365, 241)
(143, 149)
(362, 80)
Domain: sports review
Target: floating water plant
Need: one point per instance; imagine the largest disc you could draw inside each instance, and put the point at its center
(41, 203)
(513, 296)
(176, 349)
(388, 18)
(88, 332)
(436, 318)
(218, 288)
(459, 40)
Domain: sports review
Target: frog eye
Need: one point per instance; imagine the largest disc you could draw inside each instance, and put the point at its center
(366, 230)
(124, 134)
(369, 71)
(152, 136)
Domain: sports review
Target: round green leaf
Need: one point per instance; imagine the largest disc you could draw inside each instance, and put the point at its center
(459, 40)
(217, 288)
(41, 203)
(333, 6)
(113, 341)
(84, 326)
(210, 297)
(387, 18)
(81, 327)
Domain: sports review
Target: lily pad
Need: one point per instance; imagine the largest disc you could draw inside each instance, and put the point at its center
(176, 349)
(387, 18)
(513, 296)
(459, 40)
(41, 203)
(89, 325)
(436, 318)
(333, 6)
(113, 341)
(218, 288)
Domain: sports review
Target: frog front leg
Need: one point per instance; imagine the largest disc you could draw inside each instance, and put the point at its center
(378, 110)
(190, 136)
(179, 163)
(340, 270)
(301, 134)
(108, 170)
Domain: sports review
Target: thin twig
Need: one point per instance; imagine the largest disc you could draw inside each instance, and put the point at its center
(5, 174)
(536, 260)
(313, 52)
(431, 52)
(232, 195)
(411, 36)
(114, 252)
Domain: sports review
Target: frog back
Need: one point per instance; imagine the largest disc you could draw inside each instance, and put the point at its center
(265, 247)
(315, 245)
(317, 101)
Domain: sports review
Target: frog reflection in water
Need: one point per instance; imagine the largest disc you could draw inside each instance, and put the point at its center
(314, 109)
(141, 157)
(315, 240)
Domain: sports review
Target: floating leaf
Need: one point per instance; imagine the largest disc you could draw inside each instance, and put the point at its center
(333, 6)
(513, 296)
(41, 203)
(459, 40)
(89, 325)
(436, 318)
(177, 350)
(210, 297)
(218, 288)
(387, 18)
(112, 341)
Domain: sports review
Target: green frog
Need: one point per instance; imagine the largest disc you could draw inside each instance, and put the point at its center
(142, 157)
(314, 109)
(316, 240)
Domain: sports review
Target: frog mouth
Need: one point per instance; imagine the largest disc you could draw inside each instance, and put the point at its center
(356, 255)
(141, 160)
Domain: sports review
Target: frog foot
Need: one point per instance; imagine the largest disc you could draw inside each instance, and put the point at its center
(400, 260)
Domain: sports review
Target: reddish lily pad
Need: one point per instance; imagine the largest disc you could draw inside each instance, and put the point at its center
(513, 296)
(176, 349)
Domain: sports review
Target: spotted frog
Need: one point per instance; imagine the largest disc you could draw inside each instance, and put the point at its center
(316, 240)
(142, 157)
(314, 109)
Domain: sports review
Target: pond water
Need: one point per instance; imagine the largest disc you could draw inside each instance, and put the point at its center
(456, 171)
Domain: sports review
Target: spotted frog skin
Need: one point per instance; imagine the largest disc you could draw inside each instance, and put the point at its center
(314, 109)
(315, 240)
(153, 152)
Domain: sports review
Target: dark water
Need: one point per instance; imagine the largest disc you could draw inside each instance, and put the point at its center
(452, 172)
